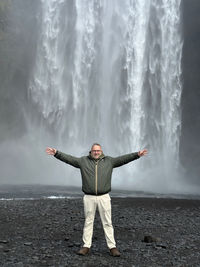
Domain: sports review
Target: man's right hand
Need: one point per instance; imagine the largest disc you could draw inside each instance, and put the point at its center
(51, 151)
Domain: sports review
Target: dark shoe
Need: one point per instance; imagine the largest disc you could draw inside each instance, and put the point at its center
(83, 251)
(114, 252)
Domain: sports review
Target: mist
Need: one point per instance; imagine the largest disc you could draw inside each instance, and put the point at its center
(117, 73)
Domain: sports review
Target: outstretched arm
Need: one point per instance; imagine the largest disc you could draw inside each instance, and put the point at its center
(74, 161)
(124, 159)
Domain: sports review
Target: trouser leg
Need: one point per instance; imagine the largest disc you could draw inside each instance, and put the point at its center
(104, 206)
(90, 204)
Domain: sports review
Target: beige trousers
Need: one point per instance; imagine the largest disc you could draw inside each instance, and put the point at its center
(104, 206)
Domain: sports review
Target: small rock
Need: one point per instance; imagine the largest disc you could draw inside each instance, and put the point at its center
(104, 262)
(161, 246)
(148, 244)
(151, 239)
(19, 264)
(157, 239)
(148, 239)
(48, 256)
(36, 258)
(157, 247)
(27, 244)
(3, 241)
(6, 250)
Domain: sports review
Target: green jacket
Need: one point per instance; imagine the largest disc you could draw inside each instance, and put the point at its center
(96, 174)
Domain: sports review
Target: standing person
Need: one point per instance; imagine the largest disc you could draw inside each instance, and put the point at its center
(96, 171)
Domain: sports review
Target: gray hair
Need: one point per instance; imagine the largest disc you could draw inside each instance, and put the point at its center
(95, 144)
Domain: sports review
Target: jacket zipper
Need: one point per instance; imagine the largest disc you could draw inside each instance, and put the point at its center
(96, 176)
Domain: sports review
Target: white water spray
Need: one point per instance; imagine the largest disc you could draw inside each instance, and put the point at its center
(109, 71)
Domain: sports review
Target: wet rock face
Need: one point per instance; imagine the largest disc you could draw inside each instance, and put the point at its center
(191, 93)
(149, 232)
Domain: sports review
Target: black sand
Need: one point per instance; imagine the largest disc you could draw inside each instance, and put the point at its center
(48, 233)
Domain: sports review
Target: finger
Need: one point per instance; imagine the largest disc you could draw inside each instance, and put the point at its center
(49, 151)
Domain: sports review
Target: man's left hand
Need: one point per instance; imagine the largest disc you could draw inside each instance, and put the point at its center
(142, 152)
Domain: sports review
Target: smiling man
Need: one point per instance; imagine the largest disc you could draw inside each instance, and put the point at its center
(96, 171)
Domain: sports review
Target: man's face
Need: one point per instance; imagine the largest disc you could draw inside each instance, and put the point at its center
(96, 151)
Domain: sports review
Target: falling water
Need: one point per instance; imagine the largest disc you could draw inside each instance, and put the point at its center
(110, 71)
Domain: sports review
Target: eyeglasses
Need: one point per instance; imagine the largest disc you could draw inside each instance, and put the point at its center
(96, 151)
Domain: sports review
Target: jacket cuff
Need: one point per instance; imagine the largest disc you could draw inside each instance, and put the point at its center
(56, 154)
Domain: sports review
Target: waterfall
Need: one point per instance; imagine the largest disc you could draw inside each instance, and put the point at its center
(110, 71)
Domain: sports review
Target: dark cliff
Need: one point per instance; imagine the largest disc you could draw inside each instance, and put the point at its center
(190, 145)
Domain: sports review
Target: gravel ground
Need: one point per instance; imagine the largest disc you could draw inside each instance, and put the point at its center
(149, 232)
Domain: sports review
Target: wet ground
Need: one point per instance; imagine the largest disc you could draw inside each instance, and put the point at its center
(149, 232)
